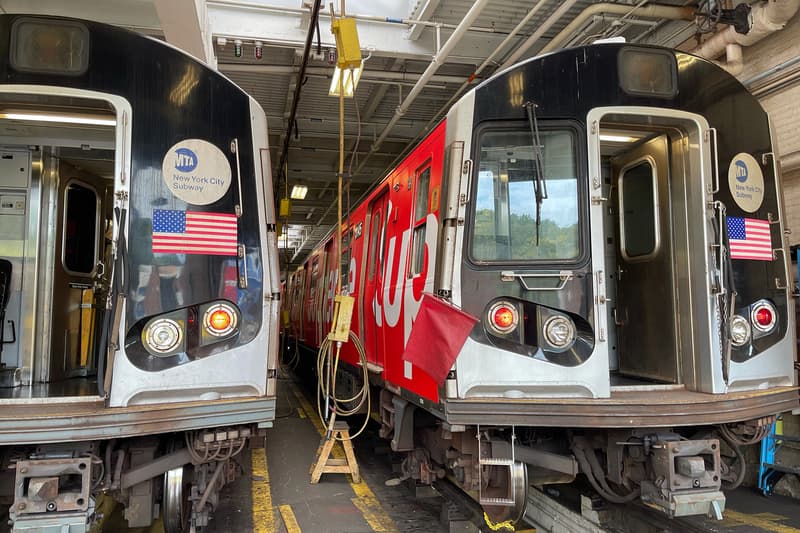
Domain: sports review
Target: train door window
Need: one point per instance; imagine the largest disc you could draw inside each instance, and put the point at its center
(374, 243)
(506, 218)
(344, 267)
(80, 228)
(420, 218)
(638, 211)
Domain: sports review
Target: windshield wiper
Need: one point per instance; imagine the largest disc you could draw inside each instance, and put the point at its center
(539, 187)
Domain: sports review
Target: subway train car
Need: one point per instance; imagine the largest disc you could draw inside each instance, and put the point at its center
(611, 218)
(138, 274)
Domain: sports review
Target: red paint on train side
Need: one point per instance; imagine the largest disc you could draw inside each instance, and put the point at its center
(389, 251)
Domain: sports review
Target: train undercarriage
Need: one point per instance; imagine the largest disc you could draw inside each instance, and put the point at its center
(680, 469)
(115, 456)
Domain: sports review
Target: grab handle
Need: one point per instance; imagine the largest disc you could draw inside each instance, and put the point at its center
(563, 276)
(711, 136)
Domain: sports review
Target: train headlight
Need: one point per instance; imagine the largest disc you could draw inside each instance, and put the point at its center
(739, 330)
(763, 316)
(162, 336)
(220, 320)
(559, 332)
(503, 317)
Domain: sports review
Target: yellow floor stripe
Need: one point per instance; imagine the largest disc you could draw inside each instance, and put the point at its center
(370, 507)
(765, 521)
(365, 500)
(263, 515)
(288, 519)
(301, 413)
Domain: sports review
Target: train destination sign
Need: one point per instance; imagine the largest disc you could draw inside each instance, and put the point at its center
(196, 171)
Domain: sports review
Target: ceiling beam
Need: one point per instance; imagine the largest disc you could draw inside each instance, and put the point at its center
(423, 11)
(186, 25)
(366, 76)
(282, 26)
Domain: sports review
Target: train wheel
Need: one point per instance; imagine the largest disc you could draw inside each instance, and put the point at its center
(505, 481)
(175, 510)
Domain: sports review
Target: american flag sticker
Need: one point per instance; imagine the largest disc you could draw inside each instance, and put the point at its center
(749, 238)
(192, 232)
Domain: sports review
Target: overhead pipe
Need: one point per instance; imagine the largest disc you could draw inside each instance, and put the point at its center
(477, 71)
(371, 18)
(766, 18)
(734, 60)
(487, 61)
(653, 11)
(436, 62)
(790, 161)
(540, 31)
(327, 72)
(616, 24)
(771, 71)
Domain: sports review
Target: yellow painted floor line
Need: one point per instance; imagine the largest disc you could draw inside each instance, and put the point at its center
(765, 521)
(263, 515)
(365, 500)
(289, 519)
(301, 413)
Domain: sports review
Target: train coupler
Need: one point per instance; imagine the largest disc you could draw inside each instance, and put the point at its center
(686, 478)
(52, 495)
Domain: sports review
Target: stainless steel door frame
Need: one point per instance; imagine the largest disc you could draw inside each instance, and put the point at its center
(692, 225)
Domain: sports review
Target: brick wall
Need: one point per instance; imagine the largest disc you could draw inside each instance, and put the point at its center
(784, 110)
(791, 198)
(783, 107)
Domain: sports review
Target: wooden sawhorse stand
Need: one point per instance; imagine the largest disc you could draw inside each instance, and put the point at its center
(325, 465)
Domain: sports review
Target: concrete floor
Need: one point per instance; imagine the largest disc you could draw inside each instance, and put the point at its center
(337, 505)
(277, 495)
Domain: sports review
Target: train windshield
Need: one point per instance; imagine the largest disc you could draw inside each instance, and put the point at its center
(505, 219)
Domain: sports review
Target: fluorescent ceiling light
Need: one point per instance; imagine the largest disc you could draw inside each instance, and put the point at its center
(93, 120)
(351, 77)
(299, 192)
(618, 138)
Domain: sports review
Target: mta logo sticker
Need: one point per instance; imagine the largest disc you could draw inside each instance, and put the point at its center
(196, 171)
(741, 170)
(746, 182)
(185, 160)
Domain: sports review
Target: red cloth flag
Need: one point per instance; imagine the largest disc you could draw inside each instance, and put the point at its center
(438, 333)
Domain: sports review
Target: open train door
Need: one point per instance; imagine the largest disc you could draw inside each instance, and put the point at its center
(645, 307)
(80, 280)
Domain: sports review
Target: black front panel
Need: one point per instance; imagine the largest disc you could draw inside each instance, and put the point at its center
(565, 86)
(173, 98)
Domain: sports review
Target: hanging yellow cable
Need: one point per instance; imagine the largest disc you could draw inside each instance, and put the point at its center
(349, 54)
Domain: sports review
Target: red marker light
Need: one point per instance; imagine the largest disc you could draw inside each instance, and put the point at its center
(219, 320)
(763, 316)
(502, 317)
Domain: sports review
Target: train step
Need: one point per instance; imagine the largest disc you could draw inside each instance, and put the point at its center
(502, 502)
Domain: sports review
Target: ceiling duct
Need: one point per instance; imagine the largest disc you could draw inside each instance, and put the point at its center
(605, 8)
(765, 18)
